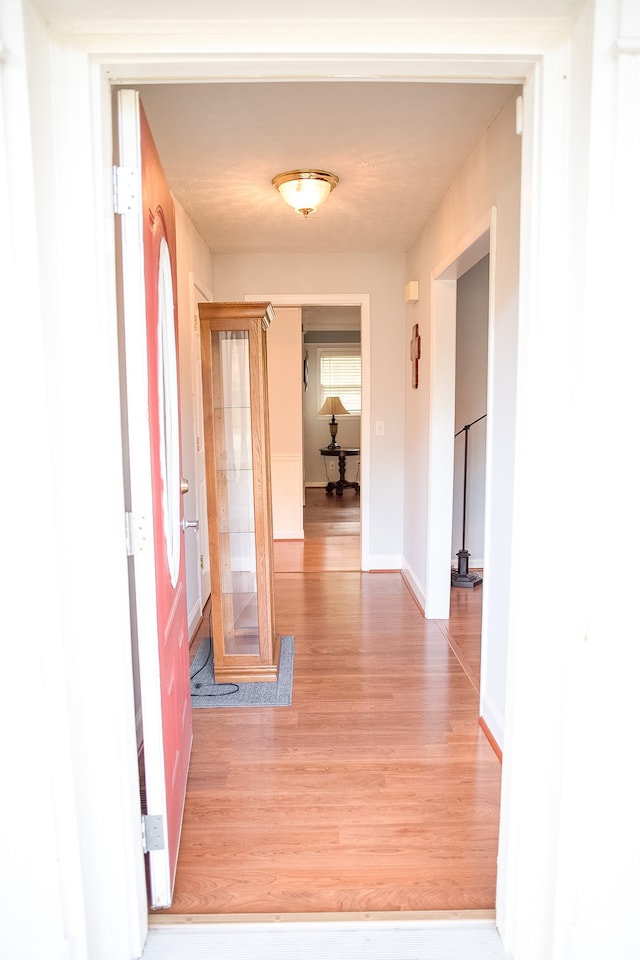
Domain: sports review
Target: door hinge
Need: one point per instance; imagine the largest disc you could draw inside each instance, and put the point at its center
(198, 445)
(126, 190)
(152, 832)
(137, 533)
(202, 561)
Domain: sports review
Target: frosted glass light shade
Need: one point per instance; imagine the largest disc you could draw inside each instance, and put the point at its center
(305, 190)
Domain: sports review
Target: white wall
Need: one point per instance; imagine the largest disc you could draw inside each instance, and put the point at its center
(381, 276)
(73, 724)
(194, 265)
(472, 308)
(571, 770)
(38, 736)
(284, 366)
(491, 177)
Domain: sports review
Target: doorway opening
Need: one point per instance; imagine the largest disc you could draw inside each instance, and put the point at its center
(472, 310)
(364, 466)
(479, 245)
(321, 311)
(332, 368)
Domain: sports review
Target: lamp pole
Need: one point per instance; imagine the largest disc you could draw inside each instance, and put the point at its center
(462, 577)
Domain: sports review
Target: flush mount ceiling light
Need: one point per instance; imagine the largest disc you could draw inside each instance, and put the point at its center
(305, 190)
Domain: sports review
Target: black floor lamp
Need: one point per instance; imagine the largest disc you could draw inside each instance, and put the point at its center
(461, 577)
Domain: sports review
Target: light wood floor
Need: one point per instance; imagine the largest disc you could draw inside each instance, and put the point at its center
(331, 535)
(376, 790)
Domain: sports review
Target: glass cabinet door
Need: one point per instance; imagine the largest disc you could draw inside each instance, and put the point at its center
(238, 489)
(234, 476)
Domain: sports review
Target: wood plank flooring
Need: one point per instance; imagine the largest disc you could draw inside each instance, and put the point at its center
(331, 535)
(326, 515)
(376, 790)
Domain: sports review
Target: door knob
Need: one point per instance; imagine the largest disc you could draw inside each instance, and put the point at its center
(190, 525)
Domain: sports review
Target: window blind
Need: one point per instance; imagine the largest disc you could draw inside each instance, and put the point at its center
(340, 375)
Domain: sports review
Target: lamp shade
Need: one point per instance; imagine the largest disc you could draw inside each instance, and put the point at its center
(331, 407)
(305, 190)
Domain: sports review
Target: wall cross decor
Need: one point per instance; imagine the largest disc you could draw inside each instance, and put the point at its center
(414, 355)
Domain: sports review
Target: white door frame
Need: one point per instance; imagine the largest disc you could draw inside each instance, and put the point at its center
(118, 60)
(363, 301)
(479, 241)
(354, 299)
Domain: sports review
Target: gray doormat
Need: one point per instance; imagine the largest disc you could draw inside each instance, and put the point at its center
(205, 692)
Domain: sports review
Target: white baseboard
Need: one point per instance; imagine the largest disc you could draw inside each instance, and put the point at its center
(316, 483)
(288, 534)
(493, 717)
(409, 577)
(194, 617)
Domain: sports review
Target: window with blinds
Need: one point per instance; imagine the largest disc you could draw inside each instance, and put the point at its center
(340, 375)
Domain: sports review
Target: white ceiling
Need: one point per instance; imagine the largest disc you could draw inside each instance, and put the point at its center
(395, 146)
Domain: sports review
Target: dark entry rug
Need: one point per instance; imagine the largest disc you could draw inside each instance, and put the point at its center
(205, 692)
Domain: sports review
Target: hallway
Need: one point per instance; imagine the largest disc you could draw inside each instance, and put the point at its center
(376, 790)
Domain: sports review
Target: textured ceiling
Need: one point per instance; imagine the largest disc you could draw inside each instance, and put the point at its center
(395, 146)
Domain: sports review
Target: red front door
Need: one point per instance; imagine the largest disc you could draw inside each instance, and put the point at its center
(150, 333)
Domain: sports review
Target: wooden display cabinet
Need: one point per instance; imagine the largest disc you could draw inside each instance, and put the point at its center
(236, 436)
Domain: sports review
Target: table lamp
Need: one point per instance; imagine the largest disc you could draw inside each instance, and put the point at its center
(330, 407)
